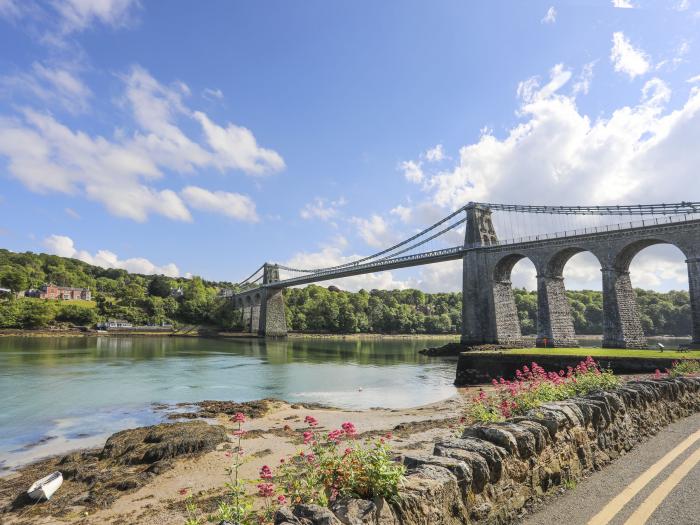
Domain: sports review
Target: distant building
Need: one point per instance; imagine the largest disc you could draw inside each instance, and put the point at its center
(114, 323)
(226, 292)
(51, 291)
(177, 292)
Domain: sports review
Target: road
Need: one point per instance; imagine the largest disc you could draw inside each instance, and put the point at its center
(657, 483)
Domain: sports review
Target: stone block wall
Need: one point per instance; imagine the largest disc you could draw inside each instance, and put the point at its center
(494, 470)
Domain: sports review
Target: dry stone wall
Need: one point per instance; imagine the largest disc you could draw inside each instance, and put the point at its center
(494, 471)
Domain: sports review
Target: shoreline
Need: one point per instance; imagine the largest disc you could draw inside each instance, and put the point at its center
(272, 433)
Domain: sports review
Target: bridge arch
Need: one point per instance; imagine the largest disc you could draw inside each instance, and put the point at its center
(625, 326)
(508, 323)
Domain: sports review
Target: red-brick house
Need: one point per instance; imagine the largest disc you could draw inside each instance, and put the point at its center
(51, 291)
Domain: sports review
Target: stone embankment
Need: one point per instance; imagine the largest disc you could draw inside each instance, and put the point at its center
(494, 472)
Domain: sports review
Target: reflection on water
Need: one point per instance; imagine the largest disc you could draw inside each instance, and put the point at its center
(61, 393)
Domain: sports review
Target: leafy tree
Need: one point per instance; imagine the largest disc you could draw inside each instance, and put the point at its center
(160, 286)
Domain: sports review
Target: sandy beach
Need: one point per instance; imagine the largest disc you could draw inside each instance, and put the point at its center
(268, 438)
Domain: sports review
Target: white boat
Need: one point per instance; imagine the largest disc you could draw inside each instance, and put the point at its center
(45, 487)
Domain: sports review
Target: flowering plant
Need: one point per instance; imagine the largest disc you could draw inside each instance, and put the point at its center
(338, 463)
(534, 386)
(685, 367)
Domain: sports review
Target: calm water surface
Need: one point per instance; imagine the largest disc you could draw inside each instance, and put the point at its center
(65, 393)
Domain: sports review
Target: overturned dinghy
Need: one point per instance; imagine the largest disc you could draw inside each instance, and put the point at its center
(45, 487)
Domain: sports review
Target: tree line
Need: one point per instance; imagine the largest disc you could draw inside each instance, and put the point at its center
(319, 309)
(147, 299)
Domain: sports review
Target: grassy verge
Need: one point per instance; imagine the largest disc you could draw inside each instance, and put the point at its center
(607, 352)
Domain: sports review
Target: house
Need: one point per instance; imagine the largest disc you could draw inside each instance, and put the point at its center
(51, 291)
(112, 324)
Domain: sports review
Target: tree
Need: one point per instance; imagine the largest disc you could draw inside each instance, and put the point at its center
(14, 278)
(160, 286)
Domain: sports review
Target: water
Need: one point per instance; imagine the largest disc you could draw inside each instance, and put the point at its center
(60, 394)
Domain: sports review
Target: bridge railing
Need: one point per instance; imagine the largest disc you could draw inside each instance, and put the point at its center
(657, 221)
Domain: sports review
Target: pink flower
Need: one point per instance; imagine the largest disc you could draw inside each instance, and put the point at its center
(311, 458)
(265, 472)
(238, 432)
(335, 435)
(238, 418)
(182, 491)
(308, 436)
(389, 435)
(228, 454)
(311, 421)
(348, 451)
(266, 490)
(349, 428)
(281, 499)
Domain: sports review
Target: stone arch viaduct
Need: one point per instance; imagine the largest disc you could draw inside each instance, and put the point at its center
(488, 312)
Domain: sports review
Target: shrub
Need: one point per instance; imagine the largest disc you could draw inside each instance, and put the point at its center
(533, 386)
(339, 464)
(686, 367)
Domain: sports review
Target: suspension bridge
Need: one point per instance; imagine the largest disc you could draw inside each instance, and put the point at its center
(547, 235)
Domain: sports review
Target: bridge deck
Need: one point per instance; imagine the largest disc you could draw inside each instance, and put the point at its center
(651, 227)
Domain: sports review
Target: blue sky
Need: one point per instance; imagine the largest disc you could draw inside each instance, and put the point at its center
(208, 137)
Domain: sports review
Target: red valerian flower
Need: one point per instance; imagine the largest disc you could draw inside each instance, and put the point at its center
(266, 490)
(308, 436)
(182, 491)
(238, 432)
(349, 429)
(281, 499)
(265, 472)
(335, 435)
(238, 418)
(311, 421)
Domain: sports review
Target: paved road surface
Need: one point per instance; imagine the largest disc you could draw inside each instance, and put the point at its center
(657, 483)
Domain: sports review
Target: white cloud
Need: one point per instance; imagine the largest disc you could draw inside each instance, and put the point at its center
(234, 205)
(404, 213)
(322, 209)
(79, 14)
(571, 158)
(682, 5)
(235, 148)
(120, 172)
(694, 80)
(65, 247)
(623, 4)
(374, 231)
(626, 58)
(550, 17)
(412, 171)
(583, 80)
(435, 154)
(212, 94)
(57, 84)
(72, 213)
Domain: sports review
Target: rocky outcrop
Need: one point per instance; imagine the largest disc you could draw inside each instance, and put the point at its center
(494, 471)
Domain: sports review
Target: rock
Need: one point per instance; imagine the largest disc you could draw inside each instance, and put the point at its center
(315, 515)
(492, 454)
(352, 511)
(458, 468)
(494, 434)
(164, 441)
(431, 495)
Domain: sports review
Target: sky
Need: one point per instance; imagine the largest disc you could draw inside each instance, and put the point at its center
(205, 138)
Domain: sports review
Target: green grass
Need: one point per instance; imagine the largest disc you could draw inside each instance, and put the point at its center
(86, 304)
(607, 352)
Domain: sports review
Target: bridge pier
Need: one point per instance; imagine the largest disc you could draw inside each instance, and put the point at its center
(694, 289)
(621, 325)
(489, 314)
(555, 326)
(273, 321)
